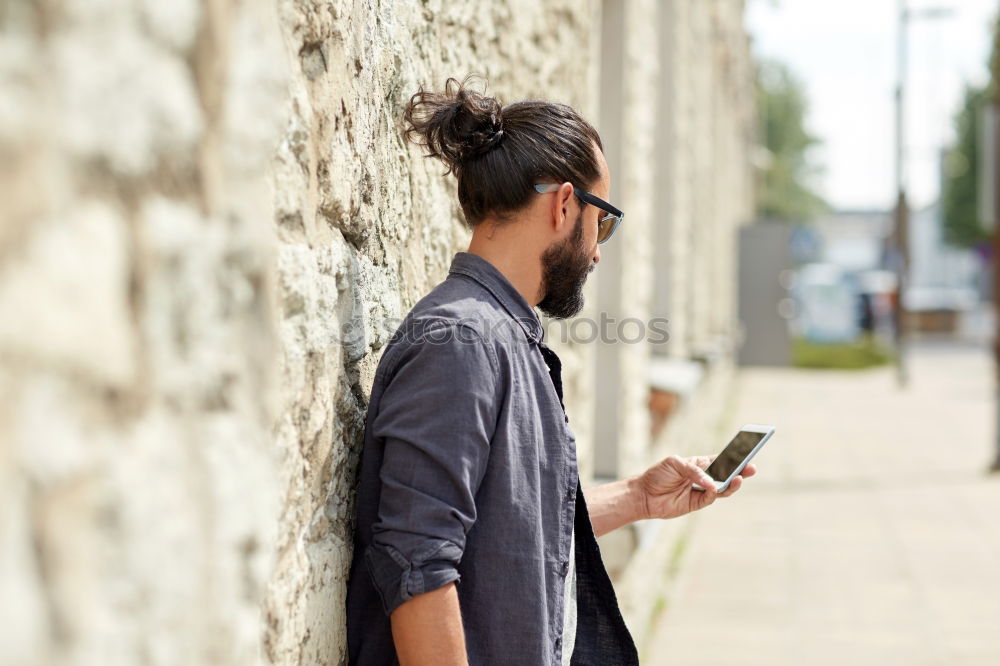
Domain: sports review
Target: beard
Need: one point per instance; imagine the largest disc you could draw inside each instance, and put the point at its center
(565, 266)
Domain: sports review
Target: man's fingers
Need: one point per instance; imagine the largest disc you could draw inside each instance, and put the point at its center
(749, 470)
(696, 475)
(734, 485)
(702, 461)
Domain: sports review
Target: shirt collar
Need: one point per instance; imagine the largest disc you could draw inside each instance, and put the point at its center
(487, 275)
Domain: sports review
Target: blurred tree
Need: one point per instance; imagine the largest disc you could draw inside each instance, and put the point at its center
(959, 203)
(961, 177)
(785, 172)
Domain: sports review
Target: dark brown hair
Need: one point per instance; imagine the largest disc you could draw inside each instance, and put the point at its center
(498, 153)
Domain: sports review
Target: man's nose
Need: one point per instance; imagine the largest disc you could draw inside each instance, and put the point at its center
(597, 255)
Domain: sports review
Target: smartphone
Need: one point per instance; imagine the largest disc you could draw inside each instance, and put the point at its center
(744, 446)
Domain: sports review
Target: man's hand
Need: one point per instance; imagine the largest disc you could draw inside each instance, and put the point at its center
(662, 491)
(665, 488)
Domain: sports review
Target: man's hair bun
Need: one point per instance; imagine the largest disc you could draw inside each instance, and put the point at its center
(456, 125)
(498, 153)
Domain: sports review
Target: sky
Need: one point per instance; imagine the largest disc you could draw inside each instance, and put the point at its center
(844, 52)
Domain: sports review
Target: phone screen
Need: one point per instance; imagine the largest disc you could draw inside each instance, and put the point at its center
(734, 454)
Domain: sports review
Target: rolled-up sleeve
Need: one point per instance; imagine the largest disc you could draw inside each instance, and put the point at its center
(436, 418)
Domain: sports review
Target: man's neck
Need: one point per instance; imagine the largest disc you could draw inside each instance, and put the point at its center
(519, 265)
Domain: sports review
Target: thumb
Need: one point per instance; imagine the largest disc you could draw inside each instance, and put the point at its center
(697, 475)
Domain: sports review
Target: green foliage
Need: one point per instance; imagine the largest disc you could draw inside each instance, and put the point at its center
(961, 181)
(865, 353)
(784, 176)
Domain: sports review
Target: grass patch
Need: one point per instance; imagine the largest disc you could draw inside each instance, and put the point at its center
(865, 353)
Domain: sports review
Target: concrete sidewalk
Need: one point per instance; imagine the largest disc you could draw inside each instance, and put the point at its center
(870, 536)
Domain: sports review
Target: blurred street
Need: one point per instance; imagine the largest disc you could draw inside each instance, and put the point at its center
(871, 534)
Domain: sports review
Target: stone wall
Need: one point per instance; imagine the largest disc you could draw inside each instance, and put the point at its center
(690, 126)
(706, 180)
(677, 115)
(210, 224)
(365, 226)
(210, 227)
(138, 347)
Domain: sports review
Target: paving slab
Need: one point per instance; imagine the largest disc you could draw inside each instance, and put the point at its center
(871, 534)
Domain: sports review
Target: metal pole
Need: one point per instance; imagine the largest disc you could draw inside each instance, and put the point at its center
(900, 218)
(996, 226)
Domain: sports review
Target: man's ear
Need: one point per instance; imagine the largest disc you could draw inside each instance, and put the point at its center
(561, 203)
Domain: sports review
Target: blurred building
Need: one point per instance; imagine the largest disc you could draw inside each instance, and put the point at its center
(211, 225)
(766, 265)
(853, 240)
(844, 276)
(943, 280)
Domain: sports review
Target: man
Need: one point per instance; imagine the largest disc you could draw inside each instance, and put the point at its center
(474, 543)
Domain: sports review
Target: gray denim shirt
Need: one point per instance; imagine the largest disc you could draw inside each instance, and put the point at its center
(469, 474)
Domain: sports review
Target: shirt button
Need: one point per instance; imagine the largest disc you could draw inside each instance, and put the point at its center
(564, 567)
(558, 642)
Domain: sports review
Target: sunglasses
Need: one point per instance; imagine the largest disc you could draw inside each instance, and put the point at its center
(607, 224)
